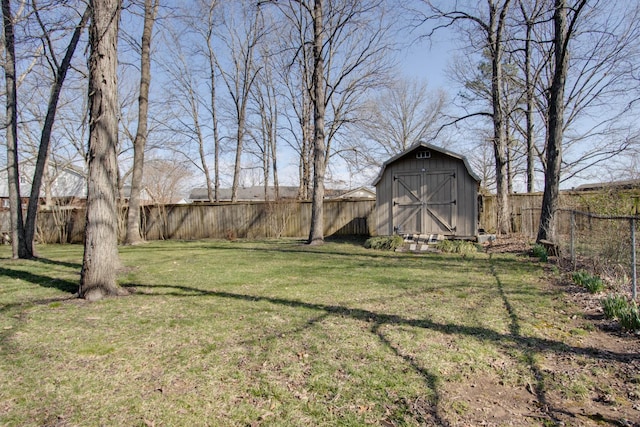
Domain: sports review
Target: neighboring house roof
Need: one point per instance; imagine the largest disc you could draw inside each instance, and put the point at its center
(245, 193)
(358, 193)
(624, 185)
(428, 147)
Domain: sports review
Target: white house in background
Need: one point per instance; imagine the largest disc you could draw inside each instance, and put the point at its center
(64, 183)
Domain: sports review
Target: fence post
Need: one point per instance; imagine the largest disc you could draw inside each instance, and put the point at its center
(573, 236)
(632, 221)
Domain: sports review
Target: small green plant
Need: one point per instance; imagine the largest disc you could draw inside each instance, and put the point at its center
(580, 277)
(384, 243)
(540, 252)
(613, 305)
(593, 284)
(619, 308)
(630, 318)
(457, 247)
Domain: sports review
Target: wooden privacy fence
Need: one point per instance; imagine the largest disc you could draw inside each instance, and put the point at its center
(252, 220)
(293, 218)
(525, 208)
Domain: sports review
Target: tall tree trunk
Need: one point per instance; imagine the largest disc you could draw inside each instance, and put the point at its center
(529, 108)
(133, 216)
(500, 147)
(273, 149)
(214, 116)
(304, 167)
(193, 103)
(203, 155)
(266, 167)
(48, 197)
(316, 234)
(240, 86)
(238, 162)
(547, 229)
(18, 246)
(510, 168)
(101, 261)
(45, 138)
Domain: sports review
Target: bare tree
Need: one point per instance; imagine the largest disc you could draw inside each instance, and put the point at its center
(60, 70)
(187, 98)
(204, 21)
(133, 217)
(597, 85)
(213, 69)
(296, 78)
(396, 118)
(18, 243)
(100, 260)
(264, 132)
(166, 180)
(482, 163)
(489, 21)
(316, 234)
(241, 40)
(340, 49)
(562, 34)
(531, 11)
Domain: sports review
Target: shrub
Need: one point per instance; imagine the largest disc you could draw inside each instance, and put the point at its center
(593, 284)
(540, 252)
(613, 305)
(384, 243)
(457, 247)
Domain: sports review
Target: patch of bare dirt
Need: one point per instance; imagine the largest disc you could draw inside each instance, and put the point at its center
(510, 244)
(591, 378)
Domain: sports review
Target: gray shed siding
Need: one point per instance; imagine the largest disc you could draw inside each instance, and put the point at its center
(434, 195)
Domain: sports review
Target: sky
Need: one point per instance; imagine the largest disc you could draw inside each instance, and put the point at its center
(429, 61)
(422, 59)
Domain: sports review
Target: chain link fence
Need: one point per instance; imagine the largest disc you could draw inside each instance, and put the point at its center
(603, 244)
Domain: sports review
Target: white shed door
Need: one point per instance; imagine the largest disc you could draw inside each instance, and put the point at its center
(425, 202)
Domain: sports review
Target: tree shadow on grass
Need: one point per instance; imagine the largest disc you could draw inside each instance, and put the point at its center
(481, 333)
(338, 246)
(425, 415)
(41, 280)
(512, 341)
(73, 265)
(425, 411)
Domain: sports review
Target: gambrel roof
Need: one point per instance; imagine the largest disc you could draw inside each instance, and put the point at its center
(427, 146)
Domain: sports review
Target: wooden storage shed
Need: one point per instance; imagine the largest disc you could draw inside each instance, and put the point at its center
(427, 190)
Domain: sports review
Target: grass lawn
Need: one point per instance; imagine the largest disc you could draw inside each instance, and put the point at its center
(279, 333)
